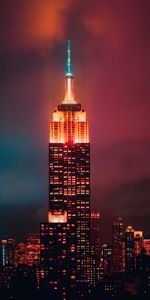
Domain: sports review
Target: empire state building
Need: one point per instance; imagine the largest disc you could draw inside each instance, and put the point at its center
(65, 237)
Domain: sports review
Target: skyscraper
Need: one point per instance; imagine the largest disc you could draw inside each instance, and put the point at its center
(28, 251)
(146, 245)
(32, 248)
(20, 254)
(7, 245)
(129, 249)
(95, 240)
(138, 242)
(117, 235)
(95, 231)
(105, 260)
(65, 238)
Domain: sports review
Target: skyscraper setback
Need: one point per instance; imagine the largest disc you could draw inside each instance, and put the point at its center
(65, 238)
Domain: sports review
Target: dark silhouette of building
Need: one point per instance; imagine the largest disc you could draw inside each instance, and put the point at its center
(28, 251)
(143, 269)
(32, 242)
(129, 250)
(143, 262)
(7, 246)
(95, 241)
(117, 235)
(20, 254)
(138, 242)
(6, 277)
(146, 245)
(105, 260)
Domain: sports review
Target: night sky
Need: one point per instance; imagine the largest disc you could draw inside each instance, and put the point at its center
(111, 64)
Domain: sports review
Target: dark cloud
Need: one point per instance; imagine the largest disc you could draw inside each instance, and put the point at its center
(22, 173)
(129, 200)
(121, 162)
(21, 218)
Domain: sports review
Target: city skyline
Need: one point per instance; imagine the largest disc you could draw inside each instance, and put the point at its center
(112, 82)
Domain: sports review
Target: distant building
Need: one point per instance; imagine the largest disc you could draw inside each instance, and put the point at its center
(105, 260)
(20, 254)
(32, 248)
(95, 230)
(93, 266)
(123, 254)
(7, 245)
(129, 250)
(143, 269)
(95, 241)
(24, 279)
(143, 262)
(6, 277)
(138, 242)
(28, 252)
(117, 235)
(146, 245)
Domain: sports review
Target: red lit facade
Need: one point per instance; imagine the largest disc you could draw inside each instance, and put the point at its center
(28, 251)
(146, 245)
(138, 242)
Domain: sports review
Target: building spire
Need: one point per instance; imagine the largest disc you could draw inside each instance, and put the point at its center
(69, 96)
(68, 60)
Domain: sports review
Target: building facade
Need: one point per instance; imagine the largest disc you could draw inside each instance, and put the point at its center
(28, 251)
(95, 241)
(65, 238)
(117, 236)
(129, 250)
(20, 254)
(7, 246)
(138, 242)
(146, 245)
(32, 248)
(105, 260)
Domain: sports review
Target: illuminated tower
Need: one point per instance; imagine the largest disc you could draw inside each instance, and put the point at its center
(65, 239)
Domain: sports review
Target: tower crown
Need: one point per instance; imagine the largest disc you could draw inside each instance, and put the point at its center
(69, 123)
